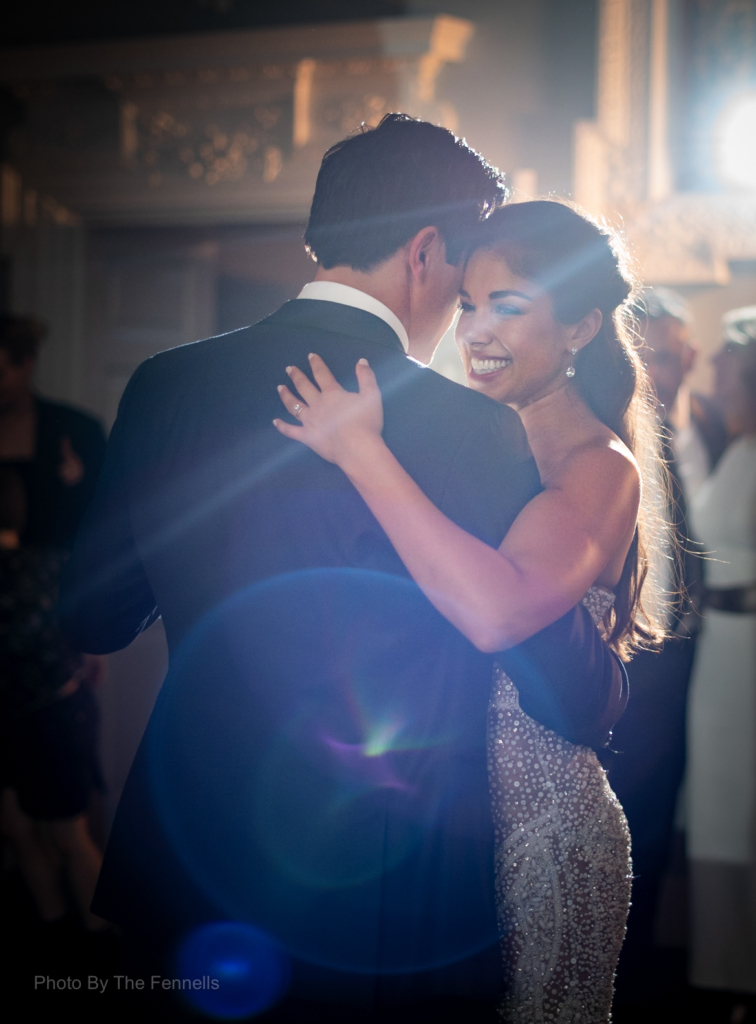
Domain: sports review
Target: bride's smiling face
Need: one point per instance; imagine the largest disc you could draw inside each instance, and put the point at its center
(513, 348)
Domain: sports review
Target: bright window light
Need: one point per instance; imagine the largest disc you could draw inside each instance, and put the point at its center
(737, 141)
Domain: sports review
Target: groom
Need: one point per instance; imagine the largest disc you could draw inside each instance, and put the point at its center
(315, 765)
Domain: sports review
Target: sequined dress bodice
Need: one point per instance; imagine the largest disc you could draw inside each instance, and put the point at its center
(562, 864)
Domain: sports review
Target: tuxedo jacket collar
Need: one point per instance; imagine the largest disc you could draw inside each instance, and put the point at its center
(336, 318)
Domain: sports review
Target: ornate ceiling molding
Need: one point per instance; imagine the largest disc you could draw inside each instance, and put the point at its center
(219, 127)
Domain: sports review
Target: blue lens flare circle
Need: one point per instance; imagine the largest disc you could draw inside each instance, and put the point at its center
(229, 970)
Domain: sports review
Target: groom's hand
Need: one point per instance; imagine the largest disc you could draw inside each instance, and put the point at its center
(335, 423)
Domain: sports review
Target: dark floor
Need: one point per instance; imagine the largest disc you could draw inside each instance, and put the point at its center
(668, 999)
(689, 1006)
(58, 971)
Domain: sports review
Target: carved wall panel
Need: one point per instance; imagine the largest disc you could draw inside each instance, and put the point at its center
(692, 239)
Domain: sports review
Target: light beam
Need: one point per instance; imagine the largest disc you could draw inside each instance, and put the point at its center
(737, 141)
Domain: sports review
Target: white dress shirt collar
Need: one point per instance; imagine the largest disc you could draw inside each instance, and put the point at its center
(331, 291)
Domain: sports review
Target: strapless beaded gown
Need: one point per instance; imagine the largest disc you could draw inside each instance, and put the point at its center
(563, 869)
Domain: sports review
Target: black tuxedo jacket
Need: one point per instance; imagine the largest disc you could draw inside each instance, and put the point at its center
(316, 760)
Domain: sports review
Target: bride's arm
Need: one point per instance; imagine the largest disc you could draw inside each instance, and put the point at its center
(557, 547)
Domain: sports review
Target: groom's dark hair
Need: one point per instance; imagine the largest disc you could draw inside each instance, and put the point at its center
(380, 186)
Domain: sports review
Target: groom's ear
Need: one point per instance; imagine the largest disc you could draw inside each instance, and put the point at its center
(423, 249)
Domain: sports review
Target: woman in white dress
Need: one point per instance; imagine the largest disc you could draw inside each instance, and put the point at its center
(542, 328)
(721, 774)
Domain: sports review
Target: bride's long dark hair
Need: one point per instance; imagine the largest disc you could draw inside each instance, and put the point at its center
(583, 265)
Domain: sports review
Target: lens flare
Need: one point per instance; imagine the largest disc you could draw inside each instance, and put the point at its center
(311, 746)
(737, 142)
(229, 970)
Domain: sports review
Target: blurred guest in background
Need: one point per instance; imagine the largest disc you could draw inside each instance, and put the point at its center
(50, 458)
(697, 432)
(650, 739)
(57, 450)
(48, 724)
(721, 775)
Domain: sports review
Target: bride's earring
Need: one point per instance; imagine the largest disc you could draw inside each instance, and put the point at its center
(570, 371)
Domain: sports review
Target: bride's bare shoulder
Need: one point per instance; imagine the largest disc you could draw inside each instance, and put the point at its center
(602, 468)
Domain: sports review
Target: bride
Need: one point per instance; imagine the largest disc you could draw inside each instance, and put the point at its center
(543, 328)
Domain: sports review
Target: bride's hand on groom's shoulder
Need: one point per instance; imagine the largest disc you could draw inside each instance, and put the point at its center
(339, 425)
